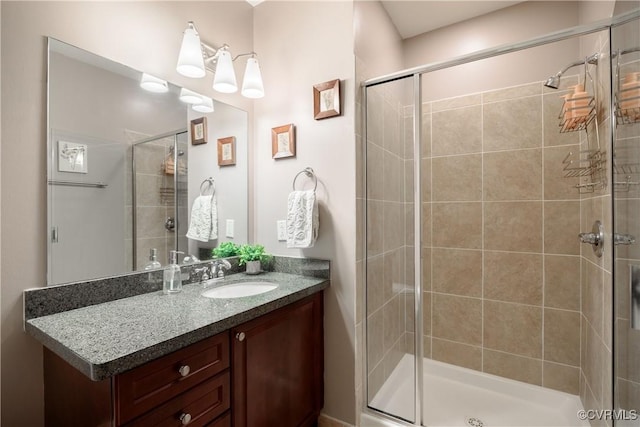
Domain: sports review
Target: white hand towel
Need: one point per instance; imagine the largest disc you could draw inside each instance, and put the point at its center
(302, 219)
(204, 219)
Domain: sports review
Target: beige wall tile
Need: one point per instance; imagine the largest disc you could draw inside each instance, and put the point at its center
(607, 313)
(556, 186)
(561, 227)
(627, 223)
(505, 221)
(425, 180)
(409, 310)
(393, 313)
(561, 377)
(408, 181)
(375, 339)
(375, 217)
(391, 129)
(394, 178)
(593, 363)
(427, 310)
(393, 273)
(562, 282)
(427, 266)
(457, 225)
(467, 356)
(457, 178)
(376, 380)
(512, 124)
(426, 347)
(457, 272)
(512, 92)
(457, 318)
(512, 175)
(375, 284)
(426, 224)
(393, 225)
(513, 328)
(409, 218)
(512, 366)
(513, 277)
(375, 106)
(425, 138)
(375, 172)
(457, 131)
(592, 295)
(457, 102)
(562, 336)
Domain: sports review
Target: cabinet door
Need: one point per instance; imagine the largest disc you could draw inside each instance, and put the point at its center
(278, 364)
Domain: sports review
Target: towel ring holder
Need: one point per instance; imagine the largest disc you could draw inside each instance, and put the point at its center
(211, 183)
(310, 174)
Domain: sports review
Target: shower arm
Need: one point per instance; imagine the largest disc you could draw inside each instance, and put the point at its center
(593, 59)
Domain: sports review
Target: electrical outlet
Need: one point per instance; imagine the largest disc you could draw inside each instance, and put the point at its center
(282, 230)
(230, 226)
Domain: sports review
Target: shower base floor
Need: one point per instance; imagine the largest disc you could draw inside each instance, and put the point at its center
(456, 396)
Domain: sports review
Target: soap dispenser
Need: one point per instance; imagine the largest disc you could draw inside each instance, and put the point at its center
(153, 260)
(172, 278)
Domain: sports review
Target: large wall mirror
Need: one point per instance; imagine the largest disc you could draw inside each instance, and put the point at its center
(124, 169)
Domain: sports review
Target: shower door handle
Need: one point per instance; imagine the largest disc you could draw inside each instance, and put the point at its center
(595, 238)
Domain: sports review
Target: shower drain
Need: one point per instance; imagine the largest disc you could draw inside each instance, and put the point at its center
(475, 422)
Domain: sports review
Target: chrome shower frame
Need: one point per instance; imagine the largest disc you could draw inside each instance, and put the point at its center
(415, 73)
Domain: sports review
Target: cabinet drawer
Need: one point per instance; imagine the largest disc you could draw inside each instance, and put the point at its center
(223, 421)
(196, 407)
(142, 389)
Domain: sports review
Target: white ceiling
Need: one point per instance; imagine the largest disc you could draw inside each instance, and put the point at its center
(413, 17)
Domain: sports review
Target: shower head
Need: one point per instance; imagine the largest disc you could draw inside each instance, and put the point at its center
(553, 82)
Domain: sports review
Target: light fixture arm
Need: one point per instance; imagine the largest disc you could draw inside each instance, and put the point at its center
(210, 54)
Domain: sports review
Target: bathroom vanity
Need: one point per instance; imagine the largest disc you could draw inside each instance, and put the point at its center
(158, 360)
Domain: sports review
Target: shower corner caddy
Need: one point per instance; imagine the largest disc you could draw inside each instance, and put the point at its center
(590, 164)
(570, 122)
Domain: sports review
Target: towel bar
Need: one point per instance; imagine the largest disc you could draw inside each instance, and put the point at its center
(310, 174)
(212, 185)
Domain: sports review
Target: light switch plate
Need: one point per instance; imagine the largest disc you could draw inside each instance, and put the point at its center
(282, 230)
(230, 226)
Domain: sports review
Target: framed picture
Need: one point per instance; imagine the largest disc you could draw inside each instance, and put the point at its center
(326, 99)
(283, 141)
(72, 157)
(227, 151)
(199, 131)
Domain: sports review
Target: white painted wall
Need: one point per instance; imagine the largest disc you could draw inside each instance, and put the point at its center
(143, 35)
(305, 43)
(230, 181)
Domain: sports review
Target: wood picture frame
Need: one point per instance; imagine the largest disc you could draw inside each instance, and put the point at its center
(283, 141)
(227, 151)
(199, 131)
(326, 99)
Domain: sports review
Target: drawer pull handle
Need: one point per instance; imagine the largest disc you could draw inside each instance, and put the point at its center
(185, 419)
(240, 336)
(184, 371)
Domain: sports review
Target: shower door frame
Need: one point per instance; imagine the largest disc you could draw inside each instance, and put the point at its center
(415, 74)
(134, 203)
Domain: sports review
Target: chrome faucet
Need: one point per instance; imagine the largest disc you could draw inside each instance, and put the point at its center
(218, 268)
(212, 270)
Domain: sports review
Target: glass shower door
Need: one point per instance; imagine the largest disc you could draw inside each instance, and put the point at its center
(626, 184)
(390, 250)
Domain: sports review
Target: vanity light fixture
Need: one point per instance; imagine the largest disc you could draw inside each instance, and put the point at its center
(190, 97)
(195, 57)
(153, 84)
(205, 107)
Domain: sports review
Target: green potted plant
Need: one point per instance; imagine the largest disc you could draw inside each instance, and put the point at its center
(252, 256)
(225, 249)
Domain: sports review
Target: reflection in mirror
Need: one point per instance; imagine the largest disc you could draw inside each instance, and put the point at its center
(123, 173)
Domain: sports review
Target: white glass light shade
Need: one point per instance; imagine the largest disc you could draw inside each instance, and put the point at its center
(190, 97)
(252, 83)
(153, 84)
(190, 60)
(205, 107)
(225, 79)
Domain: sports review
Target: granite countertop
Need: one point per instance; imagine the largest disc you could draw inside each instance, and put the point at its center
(106, 339)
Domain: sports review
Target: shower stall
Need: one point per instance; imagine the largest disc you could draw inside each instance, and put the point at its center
(158, 210)
(483, 306)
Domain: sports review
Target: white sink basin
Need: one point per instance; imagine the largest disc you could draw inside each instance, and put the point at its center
(239, 290)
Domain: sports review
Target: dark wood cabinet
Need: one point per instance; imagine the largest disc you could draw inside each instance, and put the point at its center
(266, 372)
(278, 364)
